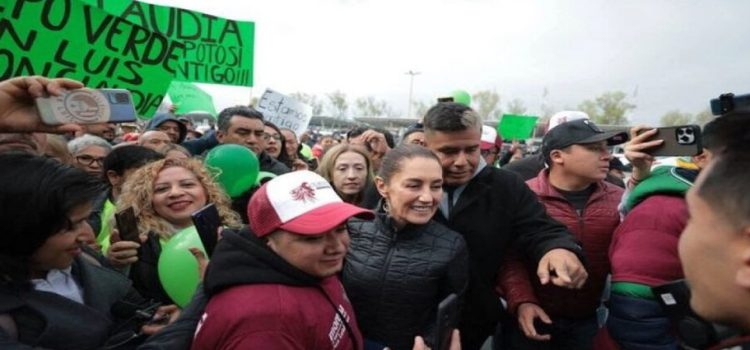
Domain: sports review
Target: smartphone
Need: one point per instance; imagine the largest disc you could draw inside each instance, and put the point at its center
(541, 327)
(447, 321)
(207, 222)
(730, 102)
(683, 140)
(445, 99)
(127, 225)
(87, 106)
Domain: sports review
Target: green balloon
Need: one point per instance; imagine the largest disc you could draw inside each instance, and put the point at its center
(177, 267)
(235, 167)
(462, 97)
(263, 177)
(306, 151)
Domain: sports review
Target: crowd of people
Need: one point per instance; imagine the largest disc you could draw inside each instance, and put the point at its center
(358, 236)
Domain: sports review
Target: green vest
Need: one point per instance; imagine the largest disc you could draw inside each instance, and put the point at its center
(105, 232)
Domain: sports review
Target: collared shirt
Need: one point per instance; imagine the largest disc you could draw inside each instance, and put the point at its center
(60, 282)
(445, 206)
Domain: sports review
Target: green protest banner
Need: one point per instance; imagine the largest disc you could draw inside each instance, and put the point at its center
(190, 98)
(516, 127)
(217, 50)
(73, 40)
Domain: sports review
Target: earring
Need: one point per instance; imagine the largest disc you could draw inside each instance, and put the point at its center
(386, 207)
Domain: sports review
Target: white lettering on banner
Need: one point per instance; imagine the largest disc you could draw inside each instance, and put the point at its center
(285, 111)
(338, 328)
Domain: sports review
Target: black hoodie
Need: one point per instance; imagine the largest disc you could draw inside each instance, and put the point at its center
(242, 258)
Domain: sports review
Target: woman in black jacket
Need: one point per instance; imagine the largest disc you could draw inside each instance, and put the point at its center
(50, 296)
(402, 264)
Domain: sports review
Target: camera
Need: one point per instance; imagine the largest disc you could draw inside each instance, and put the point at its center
(87, 106)
(729, 102)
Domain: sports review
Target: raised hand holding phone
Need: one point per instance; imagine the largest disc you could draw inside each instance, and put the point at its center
(18, 112)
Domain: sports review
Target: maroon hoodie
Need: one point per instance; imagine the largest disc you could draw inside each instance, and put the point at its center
(258, 301)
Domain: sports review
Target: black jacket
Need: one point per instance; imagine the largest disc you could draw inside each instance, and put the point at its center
(396, 279)
(528, 167)
(49, 321)
(145, 273)
(271, 165)
(495, 211)
(241, 258)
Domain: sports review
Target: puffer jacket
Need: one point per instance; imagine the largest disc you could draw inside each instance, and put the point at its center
(396, 278)
(593, 229)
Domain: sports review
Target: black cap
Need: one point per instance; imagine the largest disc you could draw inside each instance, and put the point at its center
(580, 131)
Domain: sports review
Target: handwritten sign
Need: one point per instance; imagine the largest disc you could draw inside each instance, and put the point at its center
(73, 40)
(217, 50)
(285, 111)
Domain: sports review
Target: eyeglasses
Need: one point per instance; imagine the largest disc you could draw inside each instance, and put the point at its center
(89, 160)
(486, 152)
(268, 136)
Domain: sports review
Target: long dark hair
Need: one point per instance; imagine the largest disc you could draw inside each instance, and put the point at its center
(36, 196)
(283, 156)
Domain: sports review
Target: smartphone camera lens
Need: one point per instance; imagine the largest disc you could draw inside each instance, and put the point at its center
(122, 98)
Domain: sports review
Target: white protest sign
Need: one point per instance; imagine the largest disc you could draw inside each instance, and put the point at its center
(284, 111)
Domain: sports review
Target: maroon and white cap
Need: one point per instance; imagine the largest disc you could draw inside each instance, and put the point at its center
(490, 138)
(300, 202)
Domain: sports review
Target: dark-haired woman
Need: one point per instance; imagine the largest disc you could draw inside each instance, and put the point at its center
(50, 297)
(402, 264)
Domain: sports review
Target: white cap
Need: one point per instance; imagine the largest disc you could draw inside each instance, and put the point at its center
(565, 116)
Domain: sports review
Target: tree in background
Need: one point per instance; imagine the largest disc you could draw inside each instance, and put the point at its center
(420, 108)
(516, 106)
(369, 106)
(338, 103)
(703, 117)
(488, 104)
(608, 108)
(310, 100)
(675, 117)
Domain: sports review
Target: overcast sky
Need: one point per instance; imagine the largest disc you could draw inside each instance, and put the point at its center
(679, 54)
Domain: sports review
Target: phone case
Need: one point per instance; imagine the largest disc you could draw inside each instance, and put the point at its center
(87, 106)
(683, 140)
(127, 225)
(207, 222)
(447, 320)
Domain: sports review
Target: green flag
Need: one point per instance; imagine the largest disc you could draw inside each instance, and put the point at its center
(72, 40)
(217, 50)
(516, 127)
(190, 98)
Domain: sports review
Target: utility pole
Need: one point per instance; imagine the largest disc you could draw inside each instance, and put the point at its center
(411, 75)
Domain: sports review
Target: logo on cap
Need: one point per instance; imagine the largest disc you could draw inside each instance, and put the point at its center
(303, 193)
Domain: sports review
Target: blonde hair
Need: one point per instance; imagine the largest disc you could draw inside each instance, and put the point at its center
(328, 163)
(138, 192)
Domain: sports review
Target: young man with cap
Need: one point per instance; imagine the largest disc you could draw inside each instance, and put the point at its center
(275, 286)
(574, 193)
(493, 209)
(491, 145)
(529, 167)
